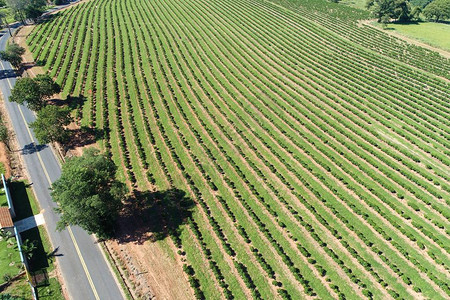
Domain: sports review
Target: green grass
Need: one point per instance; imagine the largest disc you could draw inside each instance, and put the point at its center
(19, 288)
(51, 291)
(3, 201)
(434, 34)
(361, 4)
(26, 205)
(9, 254)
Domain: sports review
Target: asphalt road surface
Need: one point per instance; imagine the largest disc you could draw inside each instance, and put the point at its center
(84, 269)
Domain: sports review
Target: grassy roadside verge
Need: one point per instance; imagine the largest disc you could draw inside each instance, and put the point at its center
(40, 260)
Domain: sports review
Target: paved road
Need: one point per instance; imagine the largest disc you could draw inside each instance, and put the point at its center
(82, 264)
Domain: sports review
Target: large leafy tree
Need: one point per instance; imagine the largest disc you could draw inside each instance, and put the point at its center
(47, 87)
(26, 9)
(33, 92)
(50, 122)
(3, 19)
(13, 54)
(385, 10)
(26, 91)
(437, 10)
(88, 193)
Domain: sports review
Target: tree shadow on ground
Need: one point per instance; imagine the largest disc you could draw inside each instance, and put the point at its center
(48, 17)
(75, 102)
(39, 259)
(83, 136)
(7, 74)
(71, 101)
(32, 148)
(154, 216)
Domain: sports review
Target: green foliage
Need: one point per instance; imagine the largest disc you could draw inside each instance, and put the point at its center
(26, 9)
(34, 91)
(13, 54)
(26, 91)
(34, 12)
(47, 86)
(5, 234)
(10, 297)
(88, 193)
(50, 122)
(437, 10)
(385, 10)
(285, 133)
(419, 3)
(415, 13)
(28, 248)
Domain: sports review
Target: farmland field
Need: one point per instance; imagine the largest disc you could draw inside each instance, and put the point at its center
(435, 34)
(316, 150)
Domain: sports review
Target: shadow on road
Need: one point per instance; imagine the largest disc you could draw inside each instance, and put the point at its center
(32, 148)
(54, 253)
(7, 74)
(154, 216)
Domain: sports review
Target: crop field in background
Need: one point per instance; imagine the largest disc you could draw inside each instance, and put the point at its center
(318, 158)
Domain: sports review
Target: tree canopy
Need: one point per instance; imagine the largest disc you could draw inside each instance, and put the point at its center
(437, 10)
(47, 87)
(33, 92)
(26, 9)
(13, 54)
(88, 193)
(385, 10)
(50, 122)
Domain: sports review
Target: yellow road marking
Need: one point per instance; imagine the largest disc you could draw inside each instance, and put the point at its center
(83, 263)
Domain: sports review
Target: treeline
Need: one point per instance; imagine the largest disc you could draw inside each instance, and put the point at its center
(403, 11)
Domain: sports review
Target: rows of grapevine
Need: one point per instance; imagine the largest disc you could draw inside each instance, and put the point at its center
(319, 169)
(344, 21)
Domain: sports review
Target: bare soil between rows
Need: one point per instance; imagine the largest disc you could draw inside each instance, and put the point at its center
(147, 268)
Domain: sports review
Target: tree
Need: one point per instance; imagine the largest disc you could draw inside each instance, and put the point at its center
(49, 124)
(415, 13)
(28, 248)
(384, 10)
(34, 92)
(47, 86)
(5, 234)
(26, 9)
(18, 9)
(3, 20)
(26, 90)
(88, 193)
(437, 10)
(13, 54)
